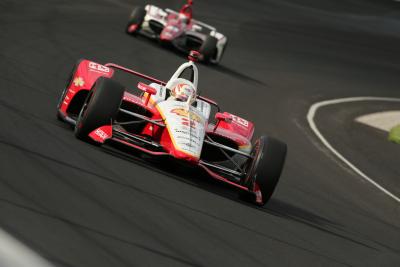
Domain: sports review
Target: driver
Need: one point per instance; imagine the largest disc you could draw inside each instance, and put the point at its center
(183, 90)
(186, 13)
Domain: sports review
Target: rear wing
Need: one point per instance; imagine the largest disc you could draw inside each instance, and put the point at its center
(202, 24)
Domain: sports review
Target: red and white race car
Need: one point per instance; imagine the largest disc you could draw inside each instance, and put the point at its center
(178, 29)
(170, 119)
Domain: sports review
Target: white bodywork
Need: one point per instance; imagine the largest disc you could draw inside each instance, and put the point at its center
(160, 15)
(186, 126)
(186, 123)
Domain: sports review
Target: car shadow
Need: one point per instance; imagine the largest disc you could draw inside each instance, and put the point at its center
(275, 207)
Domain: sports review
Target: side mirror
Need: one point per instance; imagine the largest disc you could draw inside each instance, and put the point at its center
(221, 116)
(147, 89)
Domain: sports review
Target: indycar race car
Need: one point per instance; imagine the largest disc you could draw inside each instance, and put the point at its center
(178, 29)
(169, 119)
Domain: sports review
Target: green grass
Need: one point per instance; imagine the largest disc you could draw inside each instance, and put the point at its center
(394, 135)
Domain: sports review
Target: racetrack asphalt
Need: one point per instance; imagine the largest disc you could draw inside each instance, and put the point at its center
(367, 148)
(79, 205)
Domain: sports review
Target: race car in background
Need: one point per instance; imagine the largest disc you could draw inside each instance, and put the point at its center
(170, 119)
(179, 30)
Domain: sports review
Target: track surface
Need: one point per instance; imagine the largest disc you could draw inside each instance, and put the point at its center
(78, 205)
(366, 147)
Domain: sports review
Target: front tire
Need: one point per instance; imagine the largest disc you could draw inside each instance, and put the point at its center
(135, 21)
(269, 156)
(100, 107)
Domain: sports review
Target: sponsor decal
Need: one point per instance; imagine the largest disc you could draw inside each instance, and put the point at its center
(180, 131)
(185, 113)
(188, 123)
(98, 67)
(188, 139)
(100, 133)
(79, 82)
(131, 98)
(185, 126)
(188, 132)
(240, 121)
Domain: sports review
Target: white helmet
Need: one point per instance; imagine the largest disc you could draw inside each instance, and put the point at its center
(183, 90)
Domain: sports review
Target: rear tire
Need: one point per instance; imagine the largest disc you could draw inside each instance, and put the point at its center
(209, 48)
(136, 18)
(100, 107)
(265, 170)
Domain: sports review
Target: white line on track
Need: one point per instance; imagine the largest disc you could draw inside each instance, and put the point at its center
(15, 254)
(310, 117)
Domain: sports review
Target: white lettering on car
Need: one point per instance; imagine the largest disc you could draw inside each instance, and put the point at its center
(97, 67)
(240, 121)
(101, 134)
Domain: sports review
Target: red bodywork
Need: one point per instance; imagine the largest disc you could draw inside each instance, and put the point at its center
(84, 77)
(228, 126)
(178, 23)
(187, 9)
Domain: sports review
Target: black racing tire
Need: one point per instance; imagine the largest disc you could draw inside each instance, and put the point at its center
(100, 107)
(67, 85)
(137, 17)
(265, 169)
(209, 48)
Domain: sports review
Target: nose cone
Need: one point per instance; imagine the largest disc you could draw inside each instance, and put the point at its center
(184, 156)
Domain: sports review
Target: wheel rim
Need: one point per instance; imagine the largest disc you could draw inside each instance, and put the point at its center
(250, 181)
(249, 168)
(132, 28)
